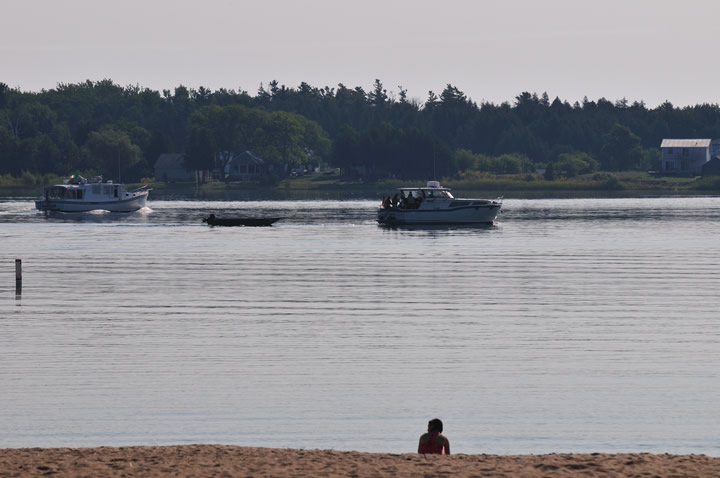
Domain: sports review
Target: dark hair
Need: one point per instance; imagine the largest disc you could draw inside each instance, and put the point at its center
(435, 425)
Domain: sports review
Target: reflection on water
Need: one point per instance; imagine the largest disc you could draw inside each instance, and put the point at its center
(570, 325)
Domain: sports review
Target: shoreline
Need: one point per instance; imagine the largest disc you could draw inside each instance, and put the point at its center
(278, 194)
(319, 186)
(237, 461)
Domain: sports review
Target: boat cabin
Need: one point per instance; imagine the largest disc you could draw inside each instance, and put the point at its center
(432, 190)
(78, 187)
(411, 198)
(78, 194)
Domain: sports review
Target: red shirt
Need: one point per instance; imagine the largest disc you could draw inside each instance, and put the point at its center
(432, 445)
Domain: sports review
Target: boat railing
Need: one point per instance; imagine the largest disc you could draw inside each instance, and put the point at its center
(142, 188)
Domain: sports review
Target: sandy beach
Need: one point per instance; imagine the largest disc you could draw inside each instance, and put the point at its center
(234, 461)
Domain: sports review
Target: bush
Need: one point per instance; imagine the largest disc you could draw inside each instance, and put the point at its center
(603, 177)
(710, 183)
(549, 172)
(612, 182)
(28, 179)
(572, 164)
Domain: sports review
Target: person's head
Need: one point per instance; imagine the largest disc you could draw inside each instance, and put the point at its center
(435, 425)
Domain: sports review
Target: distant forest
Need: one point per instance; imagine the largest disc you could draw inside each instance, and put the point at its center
(102, 128)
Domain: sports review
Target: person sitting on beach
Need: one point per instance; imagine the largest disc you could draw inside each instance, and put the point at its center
(434, 442)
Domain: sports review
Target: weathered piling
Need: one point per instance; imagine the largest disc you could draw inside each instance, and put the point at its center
(18, 277)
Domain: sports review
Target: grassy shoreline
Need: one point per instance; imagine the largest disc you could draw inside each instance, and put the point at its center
(335, 187)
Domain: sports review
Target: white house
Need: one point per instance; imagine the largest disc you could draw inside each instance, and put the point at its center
(684, 156)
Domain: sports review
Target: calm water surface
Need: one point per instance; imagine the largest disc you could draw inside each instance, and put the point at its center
(572, 325)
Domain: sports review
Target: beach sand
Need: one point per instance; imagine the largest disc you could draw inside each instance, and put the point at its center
(235, 461)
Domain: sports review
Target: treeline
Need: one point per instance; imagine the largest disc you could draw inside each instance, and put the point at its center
(103, 128)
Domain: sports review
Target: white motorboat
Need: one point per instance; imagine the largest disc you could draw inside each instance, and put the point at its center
(78, 194)
(434, 204)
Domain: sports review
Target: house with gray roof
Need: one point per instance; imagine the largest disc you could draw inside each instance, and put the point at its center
(684, 156)
(245, 166)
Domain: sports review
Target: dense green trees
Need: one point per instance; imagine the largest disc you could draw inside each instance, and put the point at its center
(622, 150)
(113, 151)
(387, 151)
(284, 139)
(100, 127)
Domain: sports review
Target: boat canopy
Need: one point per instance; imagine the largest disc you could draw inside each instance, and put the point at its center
(76, 179)
(430, 185)
(433, 189)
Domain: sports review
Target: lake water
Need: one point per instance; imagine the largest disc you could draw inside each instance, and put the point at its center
(571, 326)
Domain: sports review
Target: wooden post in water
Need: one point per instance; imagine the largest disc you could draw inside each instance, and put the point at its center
(18, 277)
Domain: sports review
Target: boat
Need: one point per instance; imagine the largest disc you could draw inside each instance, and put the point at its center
(434, 204)
(78, 194)
(213, 220)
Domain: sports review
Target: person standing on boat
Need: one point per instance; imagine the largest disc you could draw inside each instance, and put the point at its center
(434, 442)
(410, 201)
(395, 200)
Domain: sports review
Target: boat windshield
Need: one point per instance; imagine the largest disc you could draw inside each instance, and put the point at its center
(55, 192)
(437, 193)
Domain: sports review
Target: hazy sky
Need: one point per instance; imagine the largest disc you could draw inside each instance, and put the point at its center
(492, 50)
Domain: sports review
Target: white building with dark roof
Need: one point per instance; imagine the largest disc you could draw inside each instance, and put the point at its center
(685, 156)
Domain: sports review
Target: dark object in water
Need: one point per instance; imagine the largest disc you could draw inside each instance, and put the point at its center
(240, 221)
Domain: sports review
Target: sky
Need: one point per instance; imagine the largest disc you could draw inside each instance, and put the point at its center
(491, 50)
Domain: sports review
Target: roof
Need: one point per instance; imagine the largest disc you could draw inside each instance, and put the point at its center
(246, 157)
(169, 160)
(685, 143)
